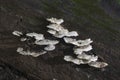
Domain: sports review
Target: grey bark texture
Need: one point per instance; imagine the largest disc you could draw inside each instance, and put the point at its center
(95, 19)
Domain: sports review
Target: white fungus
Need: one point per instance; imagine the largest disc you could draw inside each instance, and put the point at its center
(68, 58)
(53, 32)
(78, 42)
(66, 33)
(84, 42)
(87, 57)
(55, 27)
(17, 33)
(79, 50)
(72, 33)
(55, 20)
(68, 40)
(81, 46)
(71, 59)
(57, 30)
(98, 64)
(50, 44)
(36, 36)
(34, 54)
(49, 48)
(61, 33)
(19, 49)
(76, 60)
(47, 42)
(23, 39)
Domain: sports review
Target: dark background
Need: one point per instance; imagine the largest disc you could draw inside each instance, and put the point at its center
(95, 19)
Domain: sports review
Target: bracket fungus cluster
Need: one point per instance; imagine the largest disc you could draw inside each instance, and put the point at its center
(58, 31)
(80, 49)
(39, 40)
(28, 52)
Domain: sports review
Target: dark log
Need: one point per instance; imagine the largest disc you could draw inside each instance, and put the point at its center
(95, 19)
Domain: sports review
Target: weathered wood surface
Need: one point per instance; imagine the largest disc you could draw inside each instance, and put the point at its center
(97, 19)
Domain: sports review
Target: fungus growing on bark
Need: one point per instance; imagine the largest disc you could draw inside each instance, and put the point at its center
(79, 50)
(75, 60)
(80, 46)
(49, 48)
(57, 30)
(47, 42)
(23, 39)
(98, 64)
(50, 44)
(39, 40)
(36, 36)
(90, 58)
(78, 42)
(54, 20)
(28, 52)
(17, 33)
(55, 27)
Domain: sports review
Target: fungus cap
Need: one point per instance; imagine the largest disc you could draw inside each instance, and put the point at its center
(55, 20)
(47, 42)
(36, 36)
(49, 48)
(17, 33)
(98, 64)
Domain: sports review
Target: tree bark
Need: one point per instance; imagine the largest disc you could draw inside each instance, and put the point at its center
(95, 19)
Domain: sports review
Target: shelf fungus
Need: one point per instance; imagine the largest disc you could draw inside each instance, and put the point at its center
(91, 61)
(47, 42)
(80, 49)
(28, 52)
(55, 27)
(39, 40)
(98, 64)
(90, 58)
(49, 48)
(71, 59)
(78, 42)
(36, 36)
(54, 20)
(77, 61)
(50, 44)
(58, 30)
(81, 59)
(23, 39)
(17, 33)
